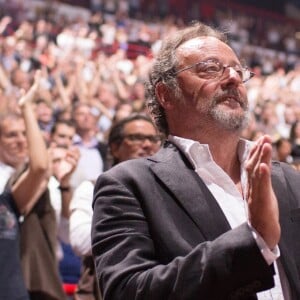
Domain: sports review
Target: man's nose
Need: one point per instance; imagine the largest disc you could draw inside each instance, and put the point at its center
(147, 143)
(231, 77)
(21, 138)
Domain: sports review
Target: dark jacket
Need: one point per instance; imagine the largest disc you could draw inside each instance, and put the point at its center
(158, 233)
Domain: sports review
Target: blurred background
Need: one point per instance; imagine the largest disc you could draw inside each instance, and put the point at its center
(95, 55)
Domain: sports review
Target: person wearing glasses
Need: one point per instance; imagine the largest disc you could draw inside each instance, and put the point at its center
(132, 137)
(209, 216)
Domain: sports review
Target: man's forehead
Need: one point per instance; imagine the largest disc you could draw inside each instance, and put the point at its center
(138, 125)
(16, 123)
(195, 43)
(200, 43)
(64, 128)
(203, 47)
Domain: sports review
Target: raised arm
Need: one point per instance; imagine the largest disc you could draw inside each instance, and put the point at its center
(33, 181)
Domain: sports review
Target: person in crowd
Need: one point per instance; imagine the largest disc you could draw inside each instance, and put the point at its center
(132, 137)
(282, 150)
(13, 145)
(123, 110)
(295, 140)
(204, 217)
(38, 226)
(287, 118)
(107, 98)
(62, 133)
(268, 120)
(45, 116)
(64, 157)
(92, 160)
(63, 160)
(18, 198)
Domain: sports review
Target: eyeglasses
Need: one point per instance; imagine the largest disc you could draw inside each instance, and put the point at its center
(212, 69)
(141, 138)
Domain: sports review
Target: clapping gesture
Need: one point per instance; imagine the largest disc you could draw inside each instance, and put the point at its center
(262, 202)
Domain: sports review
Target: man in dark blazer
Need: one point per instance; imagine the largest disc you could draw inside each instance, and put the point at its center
(209, 216)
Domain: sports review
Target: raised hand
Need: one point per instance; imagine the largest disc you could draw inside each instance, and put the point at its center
(262, 202)
(30, 95)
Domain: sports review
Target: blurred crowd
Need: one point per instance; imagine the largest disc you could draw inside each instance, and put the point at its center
(91, 77)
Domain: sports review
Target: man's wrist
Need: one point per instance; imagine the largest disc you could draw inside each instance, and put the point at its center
(270, 255)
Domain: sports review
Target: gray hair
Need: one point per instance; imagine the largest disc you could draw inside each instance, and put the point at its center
(164, 68)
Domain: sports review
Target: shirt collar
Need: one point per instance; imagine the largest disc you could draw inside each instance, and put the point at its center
(77, 140)
(9, 169)
(199, 154)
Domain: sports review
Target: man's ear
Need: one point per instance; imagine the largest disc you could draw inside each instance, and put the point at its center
(164, 96)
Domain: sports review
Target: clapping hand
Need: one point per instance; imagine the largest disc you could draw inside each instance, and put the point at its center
(64, 162)
(262, 202)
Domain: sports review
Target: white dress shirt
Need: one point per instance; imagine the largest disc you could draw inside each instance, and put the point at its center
(62, 222)
(230, 200)
(81, 218)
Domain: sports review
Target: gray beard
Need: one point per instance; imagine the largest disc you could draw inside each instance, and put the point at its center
(229, 120)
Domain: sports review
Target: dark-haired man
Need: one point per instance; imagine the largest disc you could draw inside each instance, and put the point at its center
(132, 137)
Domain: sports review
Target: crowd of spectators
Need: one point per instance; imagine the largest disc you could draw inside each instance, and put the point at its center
(99, 63)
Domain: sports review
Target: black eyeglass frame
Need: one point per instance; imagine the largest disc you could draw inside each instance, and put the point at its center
(222, 67)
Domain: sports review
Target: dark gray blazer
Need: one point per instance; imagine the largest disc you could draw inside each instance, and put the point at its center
(158, 233)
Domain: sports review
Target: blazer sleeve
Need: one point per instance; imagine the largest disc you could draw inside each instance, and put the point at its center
(128, 267)
(292, 177)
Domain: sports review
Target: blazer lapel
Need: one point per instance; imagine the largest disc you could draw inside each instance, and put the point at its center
(189, 190)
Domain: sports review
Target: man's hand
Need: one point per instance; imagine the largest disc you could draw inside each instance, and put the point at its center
(31, 94)
(64, 162)
(262, 202)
